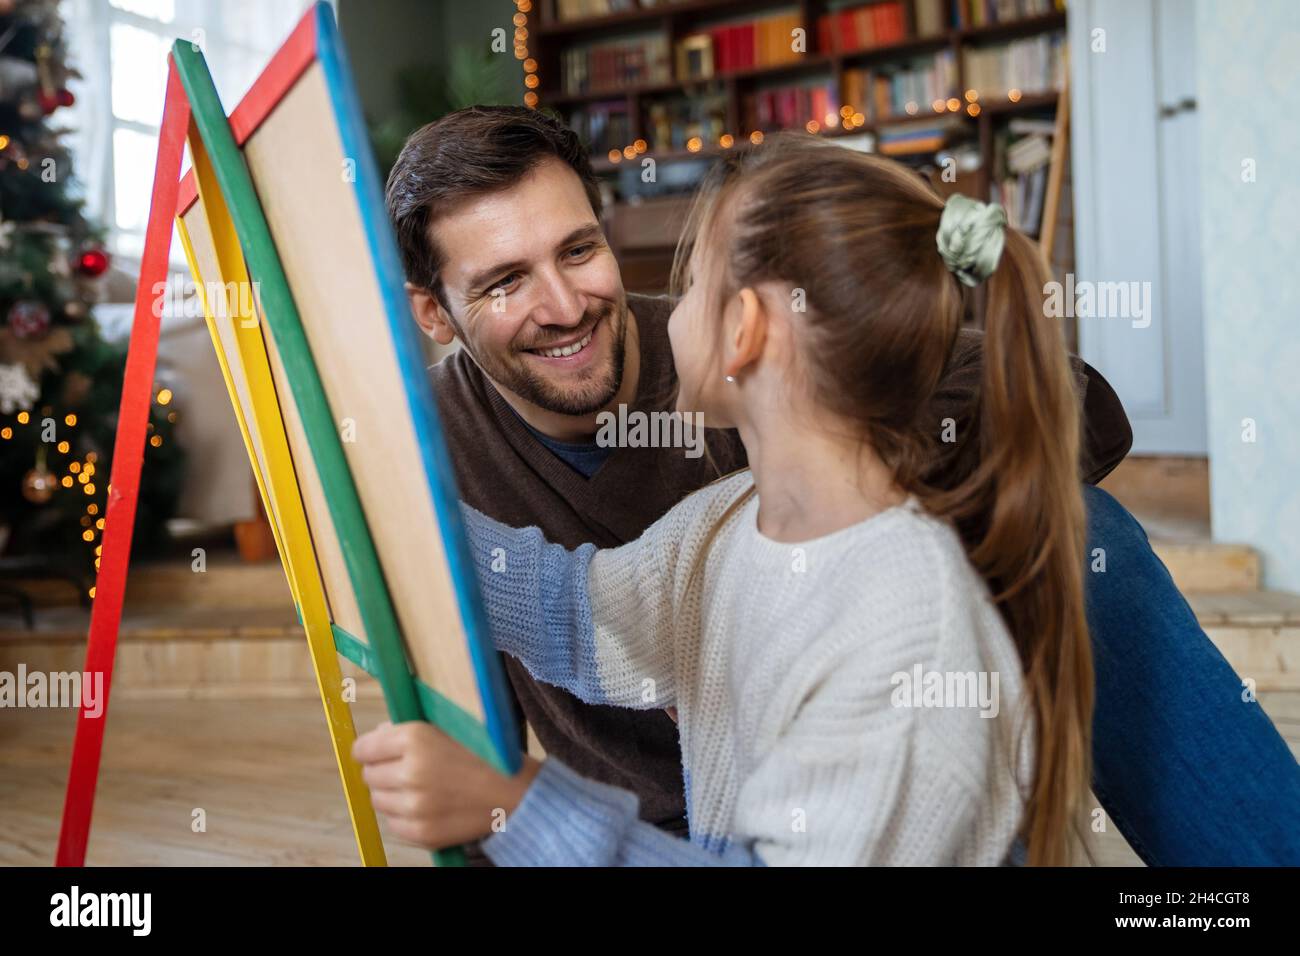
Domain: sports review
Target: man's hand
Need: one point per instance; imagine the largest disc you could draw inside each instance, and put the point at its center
(431, 790)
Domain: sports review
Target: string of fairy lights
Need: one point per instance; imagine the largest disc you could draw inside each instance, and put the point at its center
(43, 481)
(847, 119)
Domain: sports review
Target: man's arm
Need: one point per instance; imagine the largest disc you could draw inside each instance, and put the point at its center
(1105, 433)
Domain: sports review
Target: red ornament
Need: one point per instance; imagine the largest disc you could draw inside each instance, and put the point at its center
(65, 97)
(93, 262)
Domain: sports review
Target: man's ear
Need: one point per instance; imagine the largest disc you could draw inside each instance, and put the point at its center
(747, 333)
(429, 314)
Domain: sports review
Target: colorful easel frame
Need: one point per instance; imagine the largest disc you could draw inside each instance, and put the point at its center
(240, 235)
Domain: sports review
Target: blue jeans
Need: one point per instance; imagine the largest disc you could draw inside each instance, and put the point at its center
(1189, 772)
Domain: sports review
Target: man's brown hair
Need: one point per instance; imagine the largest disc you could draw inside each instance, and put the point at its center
(469, 153)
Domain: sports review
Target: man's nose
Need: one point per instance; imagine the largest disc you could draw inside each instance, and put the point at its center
(558, 302)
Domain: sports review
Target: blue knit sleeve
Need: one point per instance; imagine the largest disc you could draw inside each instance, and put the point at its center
(568, 820)
(537, 605)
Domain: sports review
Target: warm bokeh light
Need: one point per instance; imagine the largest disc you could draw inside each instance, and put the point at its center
(1013, 96)
(973, 109)
(640, 146)
(954, 105)
(63, 447)
(972, 96)
(694, 144)
(615, 156)
(66, 481)
(859, 119)
(164, 396)
(530, 99)
(812, 126)
(70, 420)
(24, 418)
(726, 141)
(756, 137)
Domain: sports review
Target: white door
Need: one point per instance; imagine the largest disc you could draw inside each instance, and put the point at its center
(1135, 159)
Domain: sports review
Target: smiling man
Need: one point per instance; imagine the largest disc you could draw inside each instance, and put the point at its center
(497, 214)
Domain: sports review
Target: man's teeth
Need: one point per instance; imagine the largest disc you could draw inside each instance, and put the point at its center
(568, 349)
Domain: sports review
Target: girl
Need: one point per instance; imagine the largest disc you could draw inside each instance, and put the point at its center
(866, 668)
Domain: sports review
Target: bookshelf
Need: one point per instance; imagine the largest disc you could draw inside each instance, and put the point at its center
(622, 72)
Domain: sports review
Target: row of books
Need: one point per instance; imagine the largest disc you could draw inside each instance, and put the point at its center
(857, 28)
(767, 41)
(932, 16)
(908, 90)
(910, 138)
(978, 13)
(791, 107)
(613, 66)
(672, 123)
(602, 126)
(1022, 158)
(1032, 65)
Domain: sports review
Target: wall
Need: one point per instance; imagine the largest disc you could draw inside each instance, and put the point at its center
(383, 36)
(1248, 72)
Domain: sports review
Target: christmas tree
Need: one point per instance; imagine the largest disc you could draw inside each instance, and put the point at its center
(60, 379)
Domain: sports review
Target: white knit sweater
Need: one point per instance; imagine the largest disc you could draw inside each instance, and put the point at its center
(855, 699)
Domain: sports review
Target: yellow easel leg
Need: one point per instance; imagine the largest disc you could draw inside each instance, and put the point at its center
(279, 491)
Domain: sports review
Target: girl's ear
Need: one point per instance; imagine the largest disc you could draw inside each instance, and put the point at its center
(747, 334)
(429, 314)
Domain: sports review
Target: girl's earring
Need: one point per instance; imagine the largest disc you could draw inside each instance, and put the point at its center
(729, 379)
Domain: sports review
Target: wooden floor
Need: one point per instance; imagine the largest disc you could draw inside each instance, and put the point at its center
(262, 771)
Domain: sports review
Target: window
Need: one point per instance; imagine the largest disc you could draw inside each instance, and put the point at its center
(120, 48)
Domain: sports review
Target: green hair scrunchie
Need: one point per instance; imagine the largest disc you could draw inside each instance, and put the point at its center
(971, 237)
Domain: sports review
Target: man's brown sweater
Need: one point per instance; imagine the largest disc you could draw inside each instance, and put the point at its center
(505, 472)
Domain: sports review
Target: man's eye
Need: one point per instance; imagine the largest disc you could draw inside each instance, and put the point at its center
(502, 285)
(579, 251)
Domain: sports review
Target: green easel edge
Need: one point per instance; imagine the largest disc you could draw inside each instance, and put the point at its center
(377, 614)
(437, 708)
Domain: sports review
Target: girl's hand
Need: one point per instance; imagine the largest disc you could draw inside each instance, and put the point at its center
(431, 790)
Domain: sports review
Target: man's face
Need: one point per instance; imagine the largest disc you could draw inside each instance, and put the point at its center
(528, 278)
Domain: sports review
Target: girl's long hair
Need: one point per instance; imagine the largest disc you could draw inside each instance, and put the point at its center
(857, 235)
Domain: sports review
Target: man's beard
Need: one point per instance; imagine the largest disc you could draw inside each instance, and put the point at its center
(582, 398)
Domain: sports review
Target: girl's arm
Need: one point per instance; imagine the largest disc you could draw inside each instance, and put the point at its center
(568, 820)
(596, 623)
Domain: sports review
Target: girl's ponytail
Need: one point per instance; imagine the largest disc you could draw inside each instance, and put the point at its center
(1020, 510)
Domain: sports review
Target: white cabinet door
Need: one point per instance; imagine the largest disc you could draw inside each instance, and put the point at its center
(1135, 158)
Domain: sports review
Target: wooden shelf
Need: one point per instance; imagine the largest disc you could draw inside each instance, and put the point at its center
(1026, 104)
(990, 109)
(649, 16)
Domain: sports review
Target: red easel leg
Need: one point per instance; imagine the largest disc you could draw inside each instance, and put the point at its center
(128, 455)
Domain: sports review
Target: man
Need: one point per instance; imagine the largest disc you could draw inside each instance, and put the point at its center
(497, 214)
